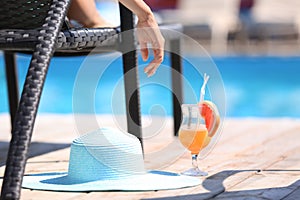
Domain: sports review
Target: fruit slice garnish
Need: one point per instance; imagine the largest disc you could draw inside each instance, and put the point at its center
(211, 116)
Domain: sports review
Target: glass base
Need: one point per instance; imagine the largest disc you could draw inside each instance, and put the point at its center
(194, 172)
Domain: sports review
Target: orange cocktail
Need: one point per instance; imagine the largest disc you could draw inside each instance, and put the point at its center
(193, 139)
(193, 135)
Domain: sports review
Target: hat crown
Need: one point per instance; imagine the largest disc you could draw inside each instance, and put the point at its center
(105, 154)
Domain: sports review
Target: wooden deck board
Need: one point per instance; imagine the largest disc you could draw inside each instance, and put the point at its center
(246, 146)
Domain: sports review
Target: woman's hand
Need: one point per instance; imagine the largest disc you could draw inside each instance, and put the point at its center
(149, 33)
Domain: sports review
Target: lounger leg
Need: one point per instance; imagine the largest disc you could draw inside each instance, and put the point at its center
(28, 106)
(12, 83)
(130, 74)
(23, 126)
(132, 95)
(176, 64)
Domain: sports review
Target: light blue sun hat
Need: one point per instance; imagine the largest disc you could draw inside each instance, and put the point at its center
(104, 160)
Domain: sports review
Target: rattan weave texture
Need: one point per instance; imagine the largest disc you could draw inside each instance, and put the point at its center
(25, 14)
(73, 39)
(27, 110)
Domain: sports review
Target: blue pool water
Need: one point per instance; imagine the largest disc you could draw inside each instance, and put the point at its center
(254, 86)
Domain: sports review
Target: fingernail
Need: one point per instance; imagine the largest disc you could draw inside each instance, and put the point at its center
(146, 71)
(151, 74)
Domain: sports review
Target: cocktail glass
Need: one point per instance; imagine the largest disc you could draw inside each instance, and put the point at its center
(192, 135)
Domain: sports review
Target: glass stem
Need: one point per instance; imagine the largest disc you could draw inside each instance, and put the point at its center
(194, 161)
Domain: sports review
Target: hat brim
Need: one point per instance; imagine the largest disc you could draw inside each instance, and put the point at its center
(153, 180)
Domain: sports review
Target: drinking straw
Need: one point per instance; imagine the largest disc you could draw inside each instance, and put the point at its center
(189, 117)
(202, 91)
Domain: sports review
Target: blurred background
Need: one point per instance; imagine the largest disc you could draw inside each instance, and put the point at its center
(253, 27)
(236, 26)
(253, 43)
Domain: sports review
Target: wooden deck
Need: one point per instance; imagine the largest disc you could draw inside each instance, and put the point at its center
(254, 159)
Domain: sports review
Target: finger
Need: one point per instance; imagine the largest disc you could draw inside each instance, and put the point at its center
(158, 56)
(154, 64)
(154, 37)
(158, 49)
(152, 69)
(144, 51)
(149, 67)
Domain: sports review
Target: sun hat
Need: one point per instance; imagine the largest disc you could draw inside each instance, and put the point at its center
(107, 159)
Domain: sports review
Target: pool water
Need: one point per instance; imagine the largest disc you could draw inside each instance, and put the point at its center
(261, 86)
(254, 86)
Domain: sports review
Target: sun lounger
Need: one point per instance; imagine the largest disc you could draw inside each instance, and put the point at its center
(36, 27)
(274, 19)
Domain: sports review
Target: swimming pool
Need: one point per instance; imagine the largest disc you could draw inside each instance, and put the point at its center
(254, 86)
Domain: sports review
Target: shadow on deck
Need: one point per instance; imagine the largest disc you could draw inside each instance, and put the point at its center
(215, 184)
(36, 149)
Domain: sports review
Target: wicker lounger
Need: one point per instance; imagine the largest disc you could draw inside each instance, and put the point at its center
(35, 27)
